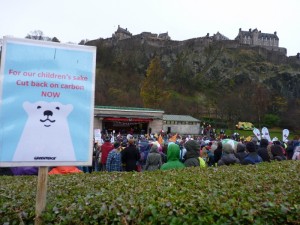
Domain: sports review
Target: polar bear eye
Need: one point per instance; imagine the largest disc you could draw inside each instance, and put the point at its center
(39, 107)
(57, 108)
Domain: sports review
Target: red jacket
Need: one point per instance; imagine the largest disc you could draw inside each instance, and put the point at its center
(105, 149)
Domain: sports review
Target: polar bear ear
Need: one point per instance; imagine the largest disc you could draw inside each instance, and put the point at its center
(68, 108)
(27, 106)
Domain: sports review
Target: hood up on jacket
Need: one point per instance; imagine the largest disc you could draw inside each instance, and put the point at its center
(192, 149)
(154, 149)
(173, 153)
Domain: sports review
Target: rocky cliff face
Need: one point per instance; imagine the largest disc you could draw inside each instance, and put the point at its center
(197, 72)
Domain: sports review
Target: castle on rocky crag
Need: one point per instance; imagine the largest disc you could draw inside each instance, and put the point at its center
(122, 34)
(251, 38)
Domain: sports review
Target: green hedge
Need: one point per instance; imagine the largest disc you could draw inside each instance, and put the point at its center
(268, 193)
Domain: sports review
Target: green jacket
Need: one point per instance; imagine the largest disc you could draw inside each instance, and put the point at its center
(173, 161)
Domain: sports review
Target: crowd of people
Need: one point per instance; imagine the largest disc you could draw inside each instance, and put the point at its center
(170, 151)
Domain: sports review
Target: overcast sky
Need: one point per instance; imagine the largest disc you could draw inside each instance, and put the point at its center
(74, 20)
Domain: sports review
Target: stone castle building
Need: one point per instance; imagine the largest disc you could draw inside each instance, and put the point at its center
(257, 38)
(122, 34)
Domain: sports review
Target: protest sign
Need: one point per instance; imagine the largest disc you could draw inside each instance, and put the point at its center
(46, 103)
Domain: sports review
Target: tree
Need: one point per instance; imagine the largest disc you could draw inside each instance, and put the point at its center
(37, 35)
(153, 89)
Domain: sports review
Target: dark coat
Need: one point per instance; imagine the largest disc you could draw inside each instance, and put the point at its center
(262, 150)
(240, 151)
(130, 157)
(218, 153)
(192, 153)
(154, 160)
(252, 158)
(228, 159)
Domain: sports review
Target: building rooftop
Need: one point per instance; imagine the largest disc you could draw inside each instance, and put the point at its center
(127, 108)
(185, 118)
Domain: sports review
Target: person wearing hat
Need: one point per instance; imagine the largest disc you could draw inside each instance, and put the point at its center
(105, 149)
(252, 157)
(228, 157)
(114, 162)
(130, 155)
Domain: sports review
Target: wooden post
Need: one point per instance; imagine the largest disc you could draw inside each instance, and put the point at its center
(41, 194)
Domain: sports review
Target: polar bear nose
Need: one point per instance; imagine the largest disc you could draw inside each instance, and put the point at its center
(48, 113)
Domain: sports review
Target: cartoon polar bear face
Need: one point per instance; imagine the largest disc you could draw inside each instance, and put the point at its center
(46, 135)
(47, 114)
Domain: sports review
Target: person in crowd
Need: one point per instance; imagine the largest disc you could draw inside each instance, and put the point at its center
(228, 157)
(276, 142)
(182, 148)
(204, 153)
(64, 170)
(114, 161)
(130, 155)
(26, 170)
(192, 156)
(144, 148)
(218, 152)
(6, 171)
(97, 156)
(163, 152)
(210, 155)
(106, 147)
(277, 153)
(290, 150)
(154, 159)
(263, 151)
(240, 151)
(296, 155)
(173, 161)
(255, 141)
(252, 157)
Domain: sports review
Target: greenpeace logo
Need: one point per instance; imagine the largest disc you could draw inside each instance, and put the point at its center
(44, 158)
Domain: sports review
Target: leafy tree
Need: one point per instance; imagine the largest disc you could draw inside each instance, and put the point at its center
(271, 120)
(37, 35)
(153, 89)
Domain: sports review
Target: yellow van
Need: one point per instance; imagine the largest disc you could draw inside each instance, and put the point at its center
(245, 126)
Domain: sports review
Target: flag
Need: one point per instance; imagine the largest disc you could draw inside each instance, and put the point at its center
(160, 140)
(265, 133)
(173, 138)
(285, 134)
(257, 133)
